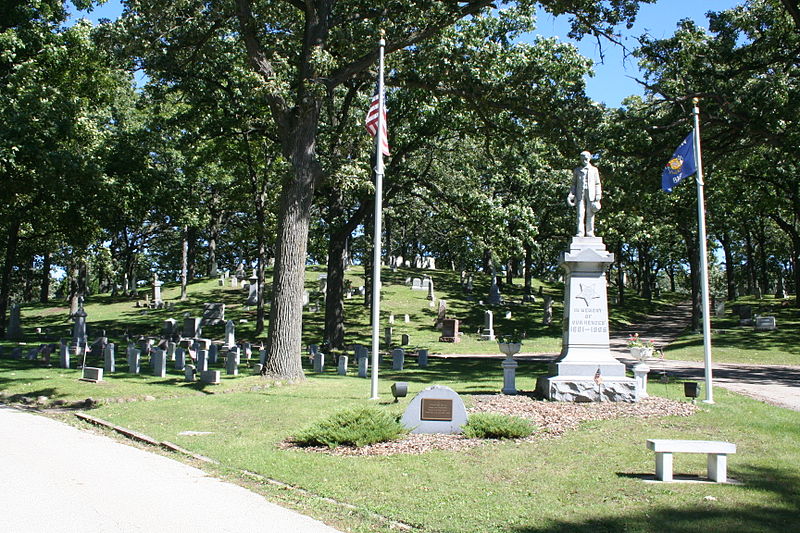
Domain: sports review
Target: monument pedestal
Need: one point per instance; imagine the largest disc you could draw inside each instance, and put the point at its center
(586, 371)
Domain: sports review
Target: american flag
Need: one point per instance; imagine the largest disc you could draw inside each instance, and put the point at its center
(372, 121)
(598, 379)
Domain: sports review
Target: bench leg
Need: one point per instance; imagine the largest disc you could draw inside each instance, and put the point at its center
(718, 467)
(664, 466)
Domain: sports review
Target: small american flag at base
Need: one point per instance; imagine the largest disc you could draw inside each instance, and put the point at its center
(598, 379)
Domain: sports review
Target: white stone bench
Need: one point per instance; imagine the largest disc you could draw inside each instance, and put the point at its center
(717, 452)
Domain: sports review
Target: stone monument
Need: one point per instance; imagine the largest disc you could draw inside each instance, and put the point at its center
(586, 371)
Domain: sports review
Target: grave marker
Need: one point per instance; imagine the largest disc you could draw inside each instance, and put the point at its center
(437, 409)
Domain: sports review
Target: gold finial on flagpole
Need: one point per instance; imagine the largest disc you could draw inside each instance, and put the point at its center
(382, 32)
(695, 100)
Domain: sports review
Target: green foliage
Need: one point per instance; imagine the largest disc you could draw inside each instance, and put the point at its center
(494, 426)
(358, 426)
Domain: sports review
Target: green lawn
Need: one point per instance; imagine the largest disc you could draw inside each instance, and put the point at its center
(732, 343)
(587, 480)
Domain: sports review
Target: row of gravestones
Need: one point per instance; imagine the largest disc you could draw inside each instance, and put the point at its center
(426, 263)
(362, 357)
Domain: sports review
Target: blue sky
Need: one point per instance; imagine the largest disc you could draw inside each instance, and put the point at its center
(613, 80)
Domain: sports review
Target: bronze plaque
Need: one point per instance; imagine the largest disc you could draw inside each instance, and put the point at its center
(437, 409)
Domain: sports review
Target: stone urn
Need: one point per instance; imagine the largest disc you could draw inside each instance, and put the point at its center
(641, 353)
(509, 366)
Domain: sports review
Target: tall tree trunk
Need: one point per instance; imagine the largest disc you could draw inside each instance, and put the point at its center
(213, 236)
(12, 241)
(286, 313)
(751, 262)
(184, 261)
(191, 253)
(528, 269)
(692, 253)
(74, 290)
(27, 293)
(730, 273)
(647, 283)
(761, 250)
(262, 259)
(794, 237)
(334, 296)
(44, 291)
(620, 276)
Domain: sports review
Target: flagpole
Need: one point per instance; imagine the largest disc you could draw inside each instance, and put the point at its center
(376, 252)
(701, 224)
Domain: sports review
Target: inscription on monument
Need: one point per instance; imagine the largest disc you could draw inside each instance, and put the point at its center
(436, 409)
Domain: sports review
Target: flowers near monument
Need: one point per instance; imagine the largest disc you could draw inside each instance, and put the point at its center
(635, 342)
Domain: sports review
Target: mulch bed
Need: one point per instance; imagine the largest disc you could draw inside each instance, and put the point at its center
(552, 419)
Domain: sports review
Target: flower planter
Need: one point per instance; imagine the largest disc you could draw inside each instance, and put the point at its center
(641, 353)
(509, 348)
(509, 366)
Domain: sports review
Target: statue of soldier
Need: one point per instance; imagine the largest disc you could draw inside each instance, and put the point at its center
(585, 193)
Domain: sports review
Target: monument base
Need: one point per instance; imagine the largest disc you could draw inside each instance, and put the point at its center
(584, 389)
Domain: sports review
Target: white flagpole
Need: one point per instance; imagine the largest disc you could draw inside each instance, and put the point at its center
(376, 255)
(701, 224)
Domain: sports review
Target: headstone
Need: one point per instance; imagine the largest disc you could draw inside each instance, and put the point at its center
(319, 362)
(191, 327)
(79, 328)
(210, 377)
(765, 323)
(323, 285)
(387, 336)
(547, 311)
(406, 319)
(232, 362)
(157, 290)
(780, 292)
(92, 374)
(719, 308)
(363, 366)
(306, 298)
(159, 358)
(508, 315)
(63, 355)
(180, 358)
(109, 359)
(262, 356)
(234, 282)
(436, 409)
(230, 333)
(170, 327)
(342, 369)
(202, 360)
(450, 331)
(416, 285)
(398, 358)
(431, 296)
(405, 340)
(391, 318)
(134, 362)
(14, 331)
(495, 297)
(422, 358)
(488, 326)
(586, 371)
(189, 373)
(441, 314)
(252, 296)
(213, 314)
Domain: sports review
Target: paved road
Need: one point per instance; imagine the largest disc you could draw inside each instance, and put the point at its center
(56, 478)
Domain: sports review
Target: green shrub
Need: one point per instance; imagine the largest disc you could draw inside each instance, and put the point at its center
(352, 427)
(493, 426)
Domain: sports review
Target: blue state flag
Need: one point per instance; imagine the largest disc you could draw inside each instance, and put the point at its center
(681, 165)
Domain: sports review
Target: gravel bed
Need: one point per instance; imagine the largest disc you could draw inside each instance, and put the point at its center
(552, 419)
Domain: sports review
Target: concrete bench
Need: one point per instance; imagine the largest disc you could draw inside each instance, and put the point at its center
(717, 452)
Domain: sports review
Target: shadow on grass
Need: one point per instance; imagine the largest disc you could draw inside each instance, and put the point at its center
(779, 515)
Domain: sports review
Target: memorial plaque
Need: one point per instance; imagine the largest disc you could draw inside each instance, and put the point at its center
(436, 409)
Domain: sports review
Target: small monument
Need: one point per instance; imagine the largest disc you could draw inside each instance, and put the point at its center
(586, 371)
(157, 301)
(79, 329)
(487, 334)
(14, 331)
(437, 409)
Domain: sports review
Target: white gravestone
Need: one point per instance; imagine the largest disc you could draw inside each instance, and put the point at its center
(488, 326)
(437, 409)
(109, 362)
(342, 370)
(230, 333)
(585, 355)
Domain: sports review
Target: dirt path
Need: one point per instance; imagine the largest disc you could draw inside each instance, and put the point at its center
(775, 384)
